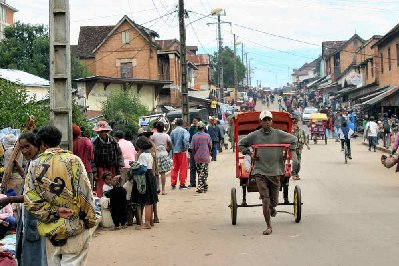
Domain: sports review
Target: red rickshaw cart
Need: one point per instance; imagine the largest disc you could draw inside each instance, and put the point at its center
(244, 124)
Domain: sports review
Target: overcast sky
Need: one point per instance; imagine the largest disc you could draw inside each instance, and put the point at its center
(273, 58)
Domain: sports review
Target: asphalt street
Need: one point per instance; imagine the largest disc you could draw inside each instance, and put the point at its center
(350, 217)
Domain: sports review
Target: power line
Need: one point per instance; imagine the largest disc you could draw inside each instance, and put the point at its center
(156, 8)
(196, 36)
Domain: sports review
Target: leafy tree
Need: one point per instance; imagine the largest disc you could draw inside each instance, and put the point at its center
(228, 67)
(26, 47)
(16, 105)
(122, 110)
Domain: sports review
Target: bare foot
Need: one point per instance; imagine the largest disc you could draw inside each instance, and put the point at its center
(144, 226)
(268, 231)
(164, 193)
(116, 228)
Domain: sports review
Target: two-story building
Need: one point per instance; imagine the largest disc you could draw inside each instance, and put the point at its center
(120, 57)
(6, 16)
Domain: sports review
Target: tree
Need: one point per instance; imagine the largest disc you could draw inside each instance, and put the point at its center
(123, 110)
(228, 67)
(26, 47)
(16, 105)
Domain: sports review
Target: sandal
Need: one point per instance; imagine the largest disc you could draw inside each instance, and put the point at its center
(268, 231)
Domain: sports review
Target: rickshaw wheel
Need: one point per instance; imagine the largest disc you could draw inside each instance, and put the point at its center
(297, 204)
(233, 206)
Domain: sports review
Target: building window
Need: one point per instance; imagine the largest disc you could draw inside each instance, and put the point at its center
(382, 62)
(125, 37)
(127, 70)
(389, 59)
(397, 54)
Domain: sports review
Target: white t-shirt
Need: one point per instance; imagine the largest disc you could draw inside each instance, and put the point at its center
(373, 130)
(146, 160)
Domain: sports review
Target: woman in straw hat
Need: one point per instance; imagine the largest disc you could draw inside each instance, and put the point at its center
(107, 155)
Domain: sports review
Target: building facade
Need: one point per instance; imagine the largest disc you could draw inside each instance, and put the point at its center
(6, 16)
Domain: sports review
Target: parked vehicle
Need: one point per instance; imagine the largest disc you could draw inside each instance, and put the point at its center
(306, 114)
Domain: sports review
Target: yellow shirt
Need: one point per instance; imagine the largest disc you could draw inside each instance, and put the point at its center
(57, 178)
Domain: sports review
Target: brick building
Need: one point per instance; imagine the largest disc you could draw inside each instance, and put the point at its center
(6, 16)
(123, 56)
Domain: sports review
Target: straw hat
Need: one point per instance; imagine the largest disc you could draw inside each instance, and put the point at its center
(102, 126)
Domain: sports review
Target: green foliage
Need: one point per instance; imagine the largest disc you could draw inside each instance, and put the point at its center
(26, 47)
(122, 110)
(228, 67)
(16, 105)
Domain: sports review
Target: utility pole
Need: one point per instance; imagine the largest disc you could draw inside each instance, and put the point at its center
(249, 73)
(235, 72)
(220, 56)
(60, 71)
(246, 65)
(221, 85)
(183, 63)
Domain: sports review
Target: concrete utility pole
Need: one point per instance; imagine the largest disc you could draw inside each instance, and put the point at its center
(60, 71)
(249, 73)
(221, 84)
(183, 63)
(246, 65)
(235, 72)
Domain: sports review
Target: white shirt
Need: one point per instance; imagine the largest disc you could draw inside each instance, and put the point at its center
(146, 160)
(372, 129)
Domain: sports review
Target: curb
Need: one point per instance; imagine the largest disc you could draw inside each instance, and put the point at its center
(385, 150)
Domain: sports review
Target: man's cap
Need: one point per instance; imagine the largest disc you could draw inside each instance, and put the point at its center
(264, 114)
(201, 125)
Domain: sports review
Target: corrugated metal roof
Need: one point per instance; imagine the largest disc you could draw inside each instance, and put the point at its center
(23, 78)
(381, 96)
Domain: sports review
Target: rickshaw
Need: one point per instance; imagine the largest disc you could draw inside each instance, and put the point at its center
(244, 124)
(318, 126)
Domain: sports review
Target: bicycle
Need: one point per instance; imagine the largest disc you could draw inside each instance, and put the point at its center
(346, 151)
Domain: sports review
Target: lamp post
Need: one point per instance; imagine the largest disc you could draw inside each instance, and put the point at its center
(235, 70)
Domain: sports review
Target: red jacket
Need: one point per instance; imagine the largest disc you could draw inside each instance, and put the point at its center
(83, 148)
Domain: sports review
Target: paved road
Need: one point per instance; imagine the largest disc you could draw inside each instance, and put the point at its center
(350, 217)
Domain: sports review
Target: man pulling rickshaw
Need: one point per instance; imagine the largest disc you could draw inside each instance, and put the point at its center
(269, 163)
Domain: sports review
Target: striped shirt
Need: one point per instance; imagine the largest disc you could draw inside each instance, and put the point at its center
(201, 146)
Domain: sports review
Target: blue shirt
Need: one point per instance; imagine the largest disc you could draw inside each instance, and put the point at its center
(214, 132)
(180, 139)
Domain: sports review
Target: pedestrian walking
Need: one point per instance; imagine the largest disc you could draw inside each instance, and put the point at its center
(201, 146)
(337, 124)
(269, 165)
(83, 148)
(58, 194)
(302, 141)
(180, 141)
(193, 170)
(371, 133)
(222, 132)
(107, 155)
(214, 132)
(387, 131)
(163, 145)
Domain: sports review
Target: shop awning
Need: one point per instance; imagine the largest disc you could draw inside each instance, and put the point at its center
(379, 96)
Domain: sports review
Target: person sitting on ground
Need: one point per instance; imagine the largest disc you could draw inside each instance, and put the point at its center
(345, 133)
(118, 204)
(269, 165)
(7, 219)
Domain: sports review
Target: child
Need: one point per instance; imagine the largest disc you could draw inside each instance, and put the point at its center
(107, 186)
(149, 197)
(118, 204)
(248, 162)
